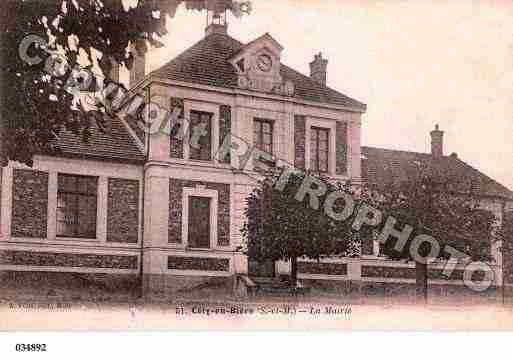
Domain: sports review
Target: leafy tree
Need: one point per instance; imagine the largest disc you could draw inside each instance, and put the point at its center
(34, 104)
(280, 227)
(431, 206)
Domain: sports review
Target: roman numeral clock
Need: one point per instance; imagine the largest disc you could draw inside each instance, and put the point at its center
(258, 67)
(264, 62)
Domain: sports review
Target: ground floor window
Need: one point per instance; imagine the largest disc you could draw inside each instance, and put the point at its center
(76, 206)
(199, 222)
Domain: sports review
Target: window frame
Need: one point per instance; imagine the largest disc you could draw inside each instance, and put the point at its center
(211, 116)
(199, 192)
(78, 195)
(259, 135)
(315, 131)
(189, 239)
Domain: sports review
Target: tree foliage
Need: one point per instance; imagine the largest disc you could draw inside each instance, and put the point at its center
(430, 207)
(34, 103)
(280, 227)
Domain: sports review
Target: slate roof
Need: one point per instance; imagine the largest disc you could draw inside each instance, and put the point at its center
(381, 167)
(116, 144)
(206, 63)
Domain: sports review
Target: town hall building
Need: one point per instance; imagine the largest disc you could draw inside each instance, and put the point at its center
(153, 206)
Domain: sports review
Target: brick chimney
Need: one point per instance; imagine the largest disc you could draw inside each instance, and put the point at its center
(138, 70)
(319, 69)
(437, 142)
(114, 72)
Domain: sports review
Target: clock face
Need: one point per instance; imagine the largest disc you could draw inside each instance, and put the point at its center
(264, 62)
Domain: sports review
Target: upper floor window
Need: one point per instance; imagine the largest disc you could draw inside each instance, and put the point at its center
(263, 135)
(200, 135)
(319, 149)
(76, 206)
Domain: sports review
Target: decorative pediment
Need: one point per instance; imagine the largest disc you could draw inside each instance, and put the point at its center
(258, 66)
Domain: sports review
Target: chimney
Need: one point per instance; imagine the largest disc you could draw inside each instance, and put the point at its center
(318, 69)
(114, 72)
(138, 70)
(437, 142)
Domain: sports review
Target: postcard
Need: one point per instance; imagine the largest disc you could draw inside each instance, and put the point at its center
(256, 165)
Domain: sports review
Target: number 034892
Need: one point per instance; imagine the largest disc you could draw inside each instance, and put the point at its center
(30, 347)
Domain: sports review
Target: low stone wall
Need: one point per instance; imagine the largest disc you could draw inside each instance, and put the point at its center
(322, 268)
(198, 263)
(409, 273)
(50, 259)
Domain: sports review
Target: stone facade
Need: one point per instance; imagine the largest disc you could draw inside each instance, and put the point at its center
(123, 210)
(322, 268)
(388, 272)
(341, 148)
(225, 127)
(299, 141)
(176, 141)
(30, 203)
(198, 263)
(175, 209)
(49, 259)
(409, 273)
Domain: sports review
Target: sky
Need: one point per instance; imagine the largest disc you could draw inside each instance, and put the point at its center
(414, 63)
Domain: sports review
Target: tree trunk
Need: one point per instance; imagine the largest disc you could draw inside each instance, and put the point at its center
(421, 283)
(293, 272)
